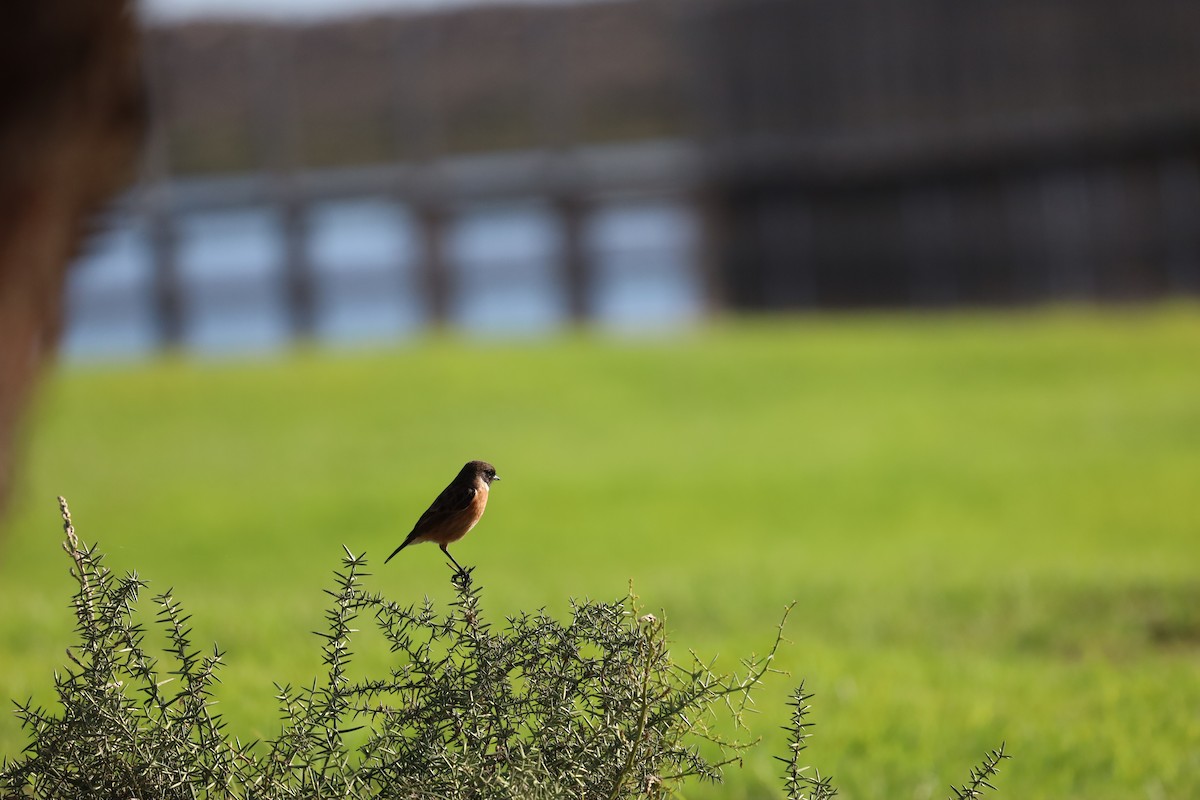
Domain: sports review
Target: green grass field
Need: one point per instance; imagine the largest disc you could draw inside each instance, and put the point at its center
(991, 523)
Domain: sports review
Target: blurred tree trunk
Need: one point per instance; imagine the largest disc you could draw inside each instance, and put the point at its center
(71, 116)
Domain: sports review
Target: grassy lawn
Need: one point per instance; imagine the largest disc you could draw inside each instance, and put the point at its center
(991, 523)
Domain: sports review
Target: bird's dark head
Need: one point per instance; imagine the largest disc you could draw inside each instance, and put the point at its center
(482, 470)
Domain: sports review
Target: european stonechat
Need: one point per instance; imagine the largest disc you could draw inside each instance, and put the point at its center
(455, 511)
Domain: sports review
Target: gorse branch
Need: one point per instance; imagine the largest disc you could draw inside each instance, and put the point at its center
(796, 780)
(980, 775)
(117, 733)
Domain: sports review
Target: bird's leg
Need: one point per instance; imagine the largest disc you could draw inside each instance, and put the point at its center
(447, 552)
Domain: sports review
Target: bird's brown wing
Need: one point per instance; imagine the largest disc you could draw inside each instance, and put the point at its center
(454, 499)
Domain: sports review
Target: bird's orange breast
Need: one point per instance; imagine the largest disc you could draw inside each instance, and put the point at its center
(471, 514)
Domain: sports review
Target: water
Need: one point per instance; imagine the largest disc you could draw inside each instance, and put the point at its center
(505, 260)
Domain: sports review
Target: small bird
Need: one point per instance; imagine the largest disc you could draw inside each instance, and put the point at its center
(455, 511)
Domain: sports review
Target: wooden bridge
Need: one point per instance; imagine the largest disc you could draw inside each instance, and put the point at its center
(571, 183)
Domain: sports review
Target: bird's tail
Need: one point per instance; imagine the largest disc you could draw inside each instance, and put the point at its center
(407, 541)
(397, 550)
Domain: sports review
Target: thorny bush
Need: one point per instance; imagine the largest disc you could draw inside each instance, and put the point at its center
(593, 708)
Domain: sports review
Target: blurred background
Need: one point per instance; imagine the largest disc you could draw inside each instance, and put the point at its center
(359, 172)
(888, 308)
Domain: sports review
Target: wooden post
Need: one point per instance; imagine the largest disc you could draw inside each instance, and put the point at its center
(166, 290)
(571, 211)
(432, 221)
(298, 282)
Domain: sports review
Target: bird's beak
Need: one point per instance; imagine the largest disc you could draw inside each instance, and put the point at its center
(495, 477)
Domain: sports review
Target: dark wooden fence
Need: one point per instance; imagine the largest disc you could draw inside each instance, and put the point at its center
(866, 152)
